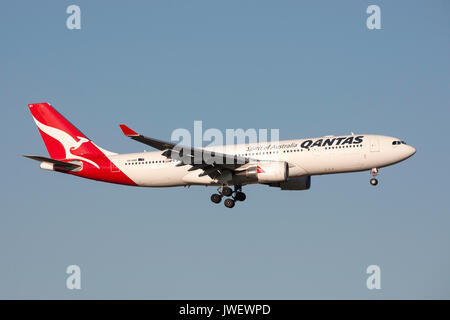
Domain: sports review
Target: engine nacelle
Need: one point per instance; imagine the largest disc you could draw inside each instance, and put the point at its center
(267, 172)
(300, 183)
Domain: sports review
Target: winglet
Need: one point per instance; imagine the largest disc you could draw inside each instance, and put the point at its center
(127, 131)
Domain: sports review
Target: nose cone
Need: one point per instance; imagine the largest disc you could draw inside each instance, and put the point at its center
(411, 151)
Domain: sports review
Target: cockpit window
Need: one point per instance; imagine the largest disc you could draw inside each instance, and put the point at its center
(397, 142)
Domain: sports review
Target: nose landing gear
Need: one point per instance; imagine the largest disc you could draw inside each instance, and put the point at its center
(374, 181)
(236, 195)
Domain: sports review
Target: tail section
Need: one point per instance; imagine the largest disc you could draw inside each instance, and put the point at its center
(70, 150)
(59, 135)
(62, 139)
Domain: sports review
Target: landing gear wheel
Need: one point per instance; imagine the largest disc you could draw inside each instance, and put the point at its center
(229, 203)
(216, 198)
(226, 191)
(373, 181)
(240, 196)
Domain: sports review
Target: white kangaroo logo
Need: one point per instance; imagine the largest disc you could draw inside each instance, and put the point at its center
(68, 142)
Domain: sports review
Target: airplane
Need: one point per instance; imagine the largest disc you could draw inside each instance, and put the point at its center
(287, 164)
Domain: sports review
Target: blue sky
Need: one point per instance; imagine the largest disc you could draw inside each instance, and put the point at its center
(309, 68)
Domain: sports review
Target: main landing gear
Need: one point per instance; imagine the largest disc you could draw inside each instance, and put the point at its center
(236, 195)
(374, 181)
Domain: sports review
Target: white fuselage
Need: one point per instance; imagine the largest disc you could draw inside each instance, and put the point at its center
(324, 155)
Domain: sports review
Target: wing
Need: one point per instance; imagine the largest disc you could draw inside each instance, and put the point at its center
(212, 163)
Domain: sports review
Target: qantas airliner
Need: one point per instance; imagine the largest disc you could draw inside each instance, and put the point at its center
(287, 164)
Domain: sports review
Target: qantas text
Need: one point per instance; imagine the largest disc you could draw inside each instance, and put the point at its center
(322, 142)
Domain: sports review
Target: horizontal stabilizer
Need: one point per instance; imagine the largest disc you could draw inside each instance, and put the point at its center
(68, 166)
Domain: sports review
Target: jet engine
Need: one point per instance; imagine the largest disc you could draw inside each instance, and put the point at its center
(267, 172)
